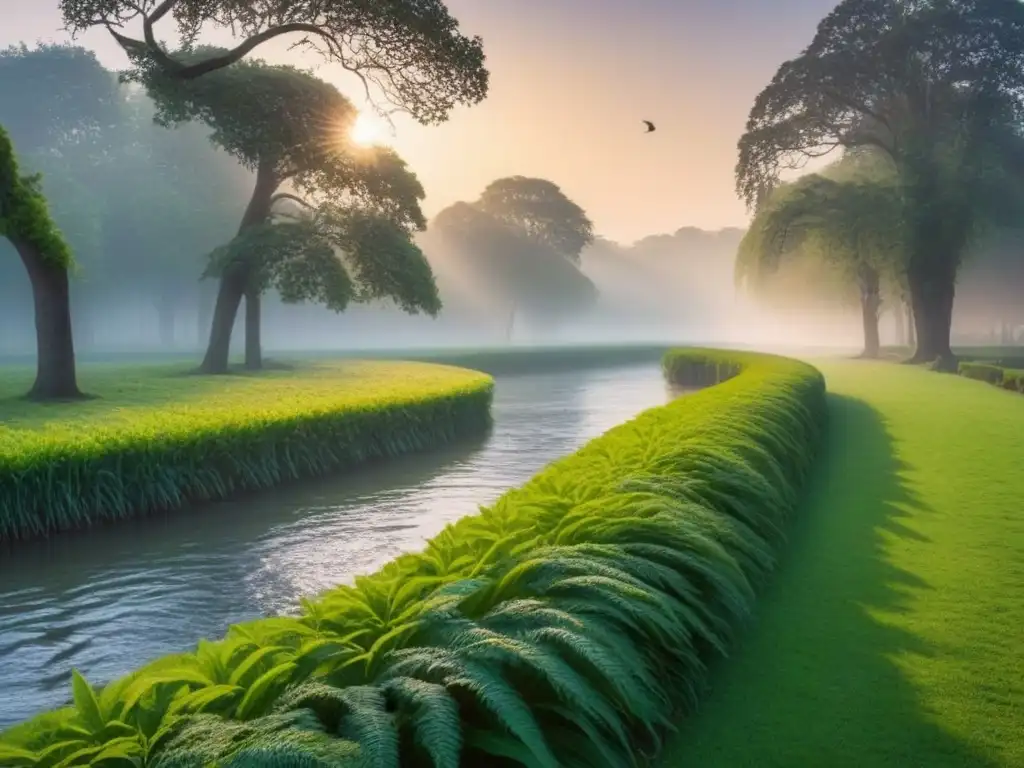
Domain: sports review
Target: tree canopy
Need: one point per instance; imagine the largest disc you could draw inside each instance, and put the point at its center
(24, 214)
(540, 209)
(506, 265)
(409, 52)
(334, 255)
(936, 86)
(293, 127)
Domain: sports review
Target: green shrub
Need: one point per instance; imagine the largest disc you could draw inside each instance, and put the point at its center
(1013, 379)
(565, 625)
(192, 438)
(993, 374)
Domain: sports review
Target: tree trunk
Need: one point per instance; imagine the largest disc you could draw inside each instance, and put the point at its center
(253, 350)
(165, 318)
(55, 347)
(908, 312)
(234, 281)
(901, 327)
(204, 313)
(932, 300)
(870, 304)
(229, 296)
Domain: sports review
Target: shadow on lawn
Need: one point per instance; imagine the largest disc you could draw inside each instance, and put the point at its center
(816, 681)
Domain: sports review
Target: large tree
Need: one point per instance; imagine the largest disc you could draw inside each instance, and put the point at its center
(541, 210)
(58, 102)
(291, 130)
(25, 221)
(411, 52)
(509, 272)
(850, 217)
(937, 87)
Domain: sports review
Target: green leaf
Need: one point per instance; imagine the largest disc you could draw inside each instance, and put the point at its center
(86, 703)
(242, 670)
(260, 694)
(16, 757)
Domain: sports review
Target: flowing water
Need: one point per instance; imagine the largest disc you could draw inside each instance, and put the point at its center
(108, 600)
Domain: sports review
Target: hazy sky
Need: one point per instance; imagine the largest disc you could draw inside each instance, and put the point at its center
(570, 82)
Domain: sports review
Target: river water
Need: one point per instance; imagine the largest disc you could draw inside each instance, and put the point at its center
(108, 600)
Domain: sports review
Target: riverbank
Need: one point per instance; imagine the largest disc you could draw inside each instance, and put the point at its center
(553, 613)
(157, 437)
(892, 633)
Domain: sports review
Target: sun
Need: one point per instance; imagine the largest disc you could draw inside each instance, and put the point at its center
(368, 130)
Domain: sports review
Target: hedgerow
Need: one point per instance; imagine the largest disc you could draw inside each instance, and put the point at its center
(1007, 378)
(566, 625)
(234, 434)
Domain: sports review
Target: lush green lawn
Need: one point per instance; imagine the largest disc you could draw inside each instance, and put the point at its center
(124, 394)
(893, 635)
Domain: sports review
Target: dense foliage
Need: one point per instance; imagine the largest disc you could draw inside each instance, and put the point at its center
(138, 205)
(293, 129)
(850, 218)
(541, 210)
(565, 625)
(24, 213)
(192, 442)
(937, 87)
(410, 52)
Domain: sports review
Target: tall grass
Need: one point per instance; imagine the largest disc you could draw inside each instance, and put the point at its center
(188, 438)
(566, 625)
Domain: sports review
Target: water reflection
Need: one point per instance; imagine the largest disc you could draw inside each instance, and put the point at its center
(108, 600)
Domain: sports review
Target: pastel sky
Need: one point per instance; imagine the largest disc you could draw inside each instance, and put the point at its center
(570, 82)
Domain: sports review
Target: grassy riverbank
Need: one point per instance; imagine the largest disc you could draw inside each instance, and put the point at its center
(561, 626)
(892, 636)
(156, 437)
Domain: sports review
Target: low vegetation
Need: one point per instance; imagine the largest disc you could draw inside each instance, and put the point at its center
(563, 626)
(1007, 378)
(160, 437)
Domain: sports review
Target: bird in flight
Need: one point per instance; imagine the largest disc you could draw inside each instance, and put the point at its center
(650, 126)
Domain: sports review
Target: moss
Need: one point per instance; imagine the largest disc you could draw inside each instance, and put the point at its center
(24, 214)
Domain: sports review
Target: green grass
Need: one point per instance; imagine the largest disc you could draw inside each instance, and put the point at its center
(156, 437)
(559, 628)
(894, 632)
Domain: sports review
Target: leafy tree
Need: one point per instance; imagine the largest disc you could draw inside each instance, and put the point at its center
(333, 255)
(56, 97)
(289, 128)
(513, 271)
(410, 51)
(936, 86)
(58, 101)
(25, 221)
(851, 218)
(539, 208)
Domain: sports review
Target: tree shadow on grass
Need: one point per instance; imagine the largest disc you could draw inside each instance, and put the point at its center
(816, 680)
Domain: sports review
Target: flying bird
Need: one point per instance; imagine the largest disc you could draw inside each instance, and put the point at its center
(650, 126)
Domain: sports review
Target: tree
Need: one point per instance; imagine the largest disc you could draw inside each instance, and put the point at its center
(333, 255)
(541, 210)
(25, 221)
(58, 101)
(851, 217)
(509, 271)
(936, 86)
(410, 51)
(289, 128)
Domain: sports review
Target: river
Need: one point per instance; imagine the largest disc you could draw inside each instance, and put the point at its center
(108, 600)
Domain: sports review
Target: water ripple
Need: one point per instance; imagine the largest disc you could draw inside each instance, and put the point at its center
(106, 601)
